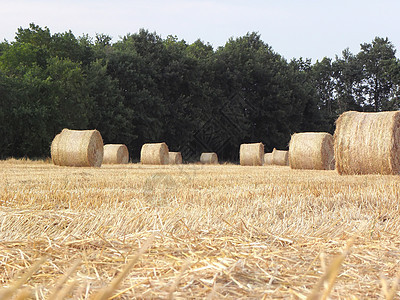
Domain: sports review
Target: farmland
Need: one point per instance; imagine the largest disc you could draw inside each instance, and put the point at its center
(221, 231)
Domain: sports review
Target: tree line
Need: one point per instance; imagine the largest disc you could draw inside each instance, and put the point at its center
(143, 88)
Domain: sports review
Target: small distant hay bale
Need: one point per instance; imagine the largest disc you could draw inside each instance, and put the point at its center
(280, 157)
(115, 154)
(311, 150)
(268, 159)
(77, 148)
(154, 154)
(175, 158)
(368, 143)
(209, 158)
(252, 154)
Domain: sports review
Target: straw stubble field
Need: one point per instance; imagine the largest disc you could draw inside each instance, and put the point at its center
(214, 231)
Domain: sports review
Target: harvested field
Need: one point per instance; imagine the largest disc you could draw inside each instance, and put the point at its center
(216, 231)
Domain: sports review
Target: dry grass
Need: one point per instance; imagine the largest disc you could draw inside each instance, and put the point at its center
(215, 232)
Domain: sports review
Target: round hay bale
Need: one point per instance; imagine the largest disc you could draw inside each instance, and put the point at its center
(280, 157)
(115, 154)
(154, 154)
(77, 148)
(368, 143)
(268, 159)
(175, 158)
(311, 150)
(252, 154)
(209, 158)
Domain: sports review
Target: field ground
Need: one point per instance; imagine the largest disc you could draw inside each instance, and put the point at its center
(215, 232)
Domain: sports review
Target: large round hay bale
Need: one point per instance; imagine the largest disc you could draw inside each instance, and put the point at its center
(77, 148)
(268, 159)
(115, 154)
(311, 150)
(252, 154)
(209, 158)
(368, 143)
(280, 157)
(175, 158)
(154, 154)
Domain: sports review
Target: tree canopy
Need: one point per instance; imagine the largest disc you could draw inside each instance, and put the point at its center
(144, 88)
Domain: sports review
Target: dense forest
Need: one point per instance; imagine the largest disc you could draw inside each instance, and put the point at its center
(143, 88)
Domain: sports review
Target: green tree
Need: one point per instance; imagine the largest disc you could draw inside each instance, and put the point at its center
(68, 95)
(67, 46)
(181, 90)
(25, 114)
(9, 94)
(277, 96)
(304, 98)
(323, 80)
(379, 66)
(135, 62)
(347, 76)
(108, 114)
(47, 93)
(200, 50)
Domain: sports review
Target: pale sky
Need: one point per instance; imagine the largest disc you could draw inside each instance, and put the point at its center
(309, 28)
